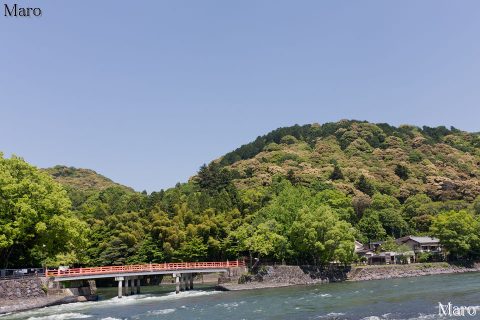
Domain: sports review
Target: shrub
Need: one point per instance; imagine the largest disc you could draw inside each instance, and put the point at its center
(288, 139)
(415, 156)
(244, 278)
(401, 171)
(424, 257)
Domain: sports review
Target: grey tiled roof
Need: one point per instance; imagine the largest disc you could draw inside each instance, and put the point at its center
(420, 240)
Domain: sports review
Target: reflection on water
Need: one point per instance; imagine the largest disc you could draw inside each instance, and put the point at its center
(408, 298)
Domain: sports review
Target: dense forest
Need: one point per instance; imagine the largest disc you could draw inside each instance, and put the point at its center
(300, 194)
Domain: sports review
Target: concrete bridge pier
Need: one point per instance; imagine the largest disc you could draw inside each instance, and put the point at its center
(132, 286)
(126, 291)
(183, 281)
(128, 286)
(138, 285)
(120, 286)
(187, 281)
(177, 282)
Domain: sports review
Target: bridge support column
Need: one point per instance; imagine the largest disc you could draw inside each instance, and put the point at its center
(177, 282)
(126, 286)
(191, 281)
(184, 282)
(138, 285)
(120, 286)
(132, 286)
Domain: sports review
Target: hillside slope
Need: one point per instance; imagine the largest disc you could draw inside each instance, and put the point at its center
(300, 195)
(442, 163)
(82, 179)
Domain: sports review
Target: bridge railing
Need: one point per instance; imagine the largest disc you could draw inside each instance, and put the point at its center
(143, 268)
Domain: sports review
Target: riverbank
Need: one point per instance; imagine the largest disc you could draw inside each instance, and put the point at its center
(407, 298)
(270, 277)
(25, 304)
(282, 276)
(31, 293)
(363, 273)
(275, 277)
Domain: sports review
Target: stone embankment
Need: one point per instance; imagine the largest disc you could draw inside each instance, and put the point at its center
(36, 292)
(407, 270)
(34, 287)
(281, 276)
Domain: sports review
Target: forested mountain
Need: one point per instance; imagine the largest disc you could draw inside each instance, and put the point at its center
(442, 163)
(82, 179)
(82, 184)
(300, 194)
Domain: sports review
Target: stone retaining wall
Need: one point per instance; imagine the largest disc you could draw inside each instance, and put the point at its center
(280, 276)
(22, 288)
(28, 293)
(408, 270)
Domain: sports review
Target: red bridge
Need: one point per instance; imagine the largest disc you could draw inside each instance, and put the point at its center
(182, 272)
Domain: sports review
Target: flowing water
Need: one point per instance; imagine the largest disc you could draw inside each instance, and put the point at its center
(407, 298)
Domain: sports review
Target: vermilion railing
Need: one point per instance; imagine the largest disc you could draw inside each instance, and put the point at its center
(143, 268)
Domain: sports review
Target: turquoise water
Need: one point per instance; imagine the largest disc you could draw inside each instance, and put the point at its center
(407, 298)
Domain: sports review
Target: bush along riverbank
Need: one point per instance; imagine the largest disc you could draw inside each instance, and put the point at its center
(281, 276)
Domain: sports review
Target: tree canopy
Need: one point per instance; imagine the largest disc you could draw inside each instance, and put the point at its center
(36, 223)
(299, 194)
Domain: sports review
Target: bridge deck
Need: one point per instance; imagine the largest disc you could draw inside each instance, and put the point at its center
(141, 270)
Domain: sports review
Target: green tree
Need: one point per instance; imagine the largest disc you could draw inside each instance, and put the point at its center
(264, 240)
(419, 210)
(360, 204)
(401, 171)
(193, 249)
(336, 173)
(339, 202)
(36, 223)
(458, 231)
(267, 240)
(365, 186)
(388, 210)
(476, 206)
(393, 222)
(213, 177)
(291, 177)
(318, 236)
(371, 227)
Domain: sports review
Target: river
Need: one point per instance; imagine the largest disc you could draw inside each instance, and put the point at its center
(406, 298)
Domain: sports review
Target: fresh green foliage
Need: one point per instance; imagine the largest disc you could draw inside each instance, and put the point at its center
(300, 194)
(459, 232)
(365, 186)
(36, 223)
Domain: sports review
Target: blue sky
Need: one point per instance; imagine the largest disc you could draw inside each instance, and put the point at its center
(145, 92)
